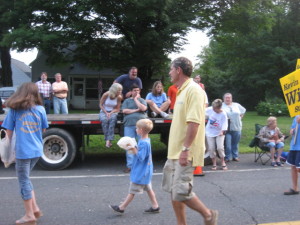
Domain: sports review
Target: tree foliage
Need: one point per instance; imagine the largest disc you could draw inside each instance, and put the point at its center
(109, 33)
(254, 44)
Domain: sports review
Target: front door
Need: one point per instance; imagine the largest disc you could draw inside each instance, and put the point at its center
(77, 100)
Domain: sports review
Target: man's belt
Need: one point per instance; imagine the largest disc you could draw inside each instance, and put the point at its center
(59, 97)
(47, 98)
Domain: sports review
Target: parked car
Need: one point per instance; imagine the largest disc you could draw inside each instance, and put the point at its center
(1, 106)
(5, 93)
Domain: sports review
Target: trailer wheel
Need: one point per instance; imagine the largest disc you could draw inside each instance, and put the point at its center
(59, 149)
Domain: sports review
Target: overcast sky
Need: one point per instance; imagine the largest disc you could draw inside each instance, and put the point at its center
(196, 41)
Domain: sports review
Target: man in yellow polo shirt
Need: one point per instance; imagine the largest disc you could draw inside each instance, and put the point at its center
(186, 144)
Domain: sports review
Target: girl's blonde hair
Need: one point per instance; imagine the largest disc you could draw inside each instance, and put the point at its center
(154, 92)
(113, 90)
(217, 103)
(26, 96)
(145, 124)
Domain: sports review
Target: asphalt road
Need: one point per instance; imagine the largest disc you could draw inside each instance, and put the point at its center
(248, 193)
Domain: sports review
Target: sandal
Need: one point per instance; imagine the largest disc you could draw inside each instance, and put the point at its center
(214, 168)
(224, 167)
(274, 164)
(291, 192)
(279, 164)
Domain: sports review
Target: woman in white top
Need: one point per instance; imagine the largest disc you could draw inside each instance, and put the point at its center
(110, 104)
(235, 113)
(215, 132)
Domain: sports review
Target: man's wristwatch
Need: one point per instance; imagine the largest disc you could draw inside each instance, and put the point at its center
(185, 149)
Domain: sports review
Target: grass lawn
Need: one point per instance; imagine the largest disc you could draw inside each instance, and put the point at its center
(97, 143)
(249, 121)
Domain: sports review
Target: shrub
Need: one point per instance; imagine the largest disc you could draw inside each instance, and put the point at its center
(272, 109)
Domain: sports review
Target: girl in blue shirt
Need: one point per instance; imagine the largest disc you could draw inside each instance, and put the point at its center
(158, 101)
(27, 117)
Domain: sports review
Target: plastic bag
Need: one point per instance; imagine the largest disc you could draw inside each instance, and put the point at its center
(127, 143)
(7, 149)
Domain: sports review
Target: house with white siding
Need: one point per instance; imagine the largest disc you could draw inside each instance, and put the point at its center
(21, 72)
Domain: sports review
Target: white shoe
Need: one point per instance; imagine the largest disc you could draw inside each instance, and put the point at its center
(164, 115)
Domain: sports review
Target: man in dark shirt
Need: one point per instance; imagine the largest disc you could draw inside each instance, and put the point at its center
(127, 80)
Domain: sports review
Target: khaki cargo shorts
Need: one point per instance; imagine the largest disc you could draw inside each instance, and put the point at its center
(178, 180)
(139, 188)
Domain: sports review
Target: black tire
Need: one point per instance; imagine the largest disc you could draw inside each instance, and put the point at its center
(59, 149)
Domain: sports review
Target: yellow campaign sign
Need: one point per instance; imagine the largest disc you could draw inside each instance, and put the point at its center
(290, 85)
(298, 64)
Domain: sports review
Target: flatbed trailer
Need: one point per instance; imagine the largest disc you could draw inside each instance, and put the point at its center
(64, 139)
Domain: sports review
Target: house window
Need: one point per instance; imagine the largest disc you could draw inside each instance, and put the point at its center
(91, 89)
(78, 89)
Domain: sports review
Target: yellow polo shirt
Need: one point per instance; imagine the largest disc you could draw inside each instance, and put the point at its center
(189, 107)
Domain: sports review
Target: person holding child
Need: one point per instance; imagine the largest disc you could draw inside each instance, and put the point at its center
(215, 132)
(158, 101)
(141, 170)
(110, 104)
(27, 117)
(293, 158)
(270, 136)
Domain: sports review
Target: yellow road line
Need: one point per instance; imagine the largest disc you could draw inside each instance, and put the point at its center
(283, 223)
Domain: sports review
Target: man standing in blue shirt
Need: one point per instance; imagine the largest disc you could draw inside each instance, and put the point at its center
(127, 80)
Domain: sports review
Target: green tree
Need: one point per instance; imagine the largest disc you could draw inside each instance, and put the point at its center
(111, 33)
(14, 16)
(250, 50)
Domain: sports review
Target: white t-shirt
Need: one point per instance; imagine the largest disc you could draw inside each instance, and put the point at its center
(216, 122)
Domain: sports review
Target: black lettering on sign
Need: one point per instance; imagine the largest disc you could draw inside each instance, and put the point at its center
(290, 85)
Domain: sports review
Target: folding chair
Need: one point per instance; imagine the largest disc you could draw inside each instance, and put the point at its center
(261, 153)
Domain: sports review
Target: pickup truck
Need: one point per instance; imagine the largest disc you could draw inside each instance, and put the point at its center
(64, 139)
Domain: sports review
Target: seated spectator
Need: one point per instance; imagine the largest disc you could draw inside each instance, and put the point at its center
(215, 132)
(134, 109)
(110, 104)
(270, 136)
(172, 92)
(158, 101)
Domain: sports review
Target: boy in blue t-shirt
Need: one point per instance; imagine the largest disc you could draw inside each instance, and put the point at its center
(141, 170)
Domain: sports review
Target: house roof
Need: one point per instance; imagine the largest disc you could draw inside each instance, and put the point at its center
(22, 66)
(79, 69)
(21, 72)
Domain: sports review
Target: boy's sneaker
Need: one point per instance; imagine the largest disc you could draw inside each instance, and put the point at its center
(153, 114)
(151, 210)
(116, 209)
(164, 115)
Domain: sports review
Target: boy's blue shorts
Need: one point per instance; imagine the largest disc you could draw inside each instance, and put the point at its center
(294, 158)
